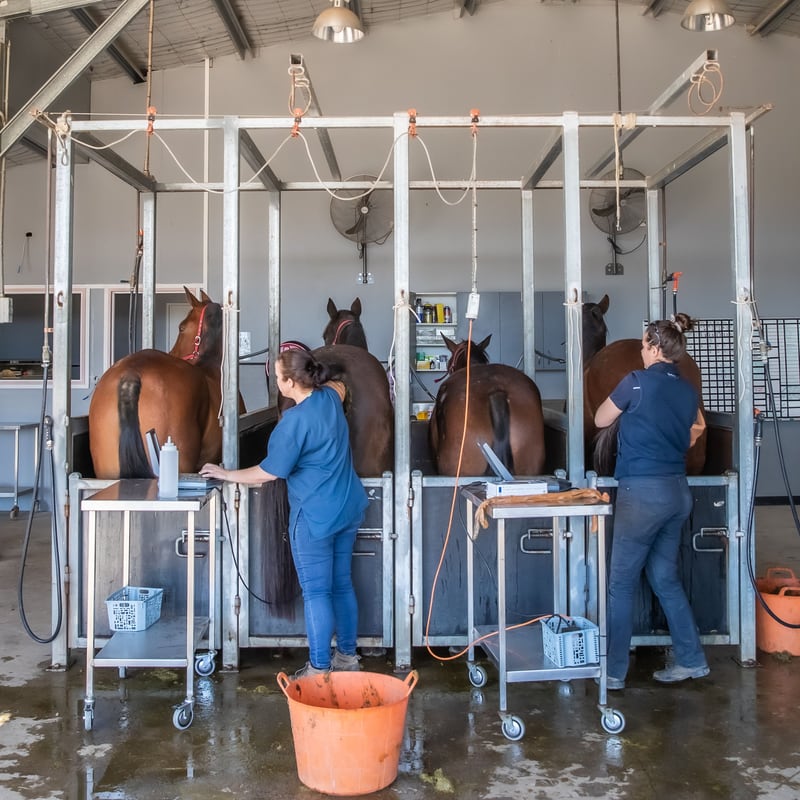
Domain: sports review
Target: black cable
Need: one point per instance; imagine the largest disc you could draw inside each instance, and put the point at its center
(45, 435)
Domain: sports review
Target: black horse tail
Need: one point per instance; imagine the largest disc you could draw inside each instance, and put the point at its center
(605, 449)
(500, 415)
(133, 461)
(277, 585)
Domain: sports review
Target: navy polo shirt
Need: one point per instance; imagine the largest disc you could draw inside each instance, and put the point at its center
(658, 410)
(310, 448)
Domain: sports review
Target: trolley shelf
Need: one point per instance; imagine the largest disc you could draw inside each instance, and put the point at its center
(525, 659)
(163, 644)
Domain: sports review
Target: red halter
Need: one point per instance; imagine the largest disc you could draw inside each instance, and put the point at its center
(198, 337)
(342, 325)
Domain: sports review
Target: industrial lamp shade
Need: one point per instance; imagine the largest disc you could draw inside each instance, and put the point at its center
(338, 24)
(707, 15)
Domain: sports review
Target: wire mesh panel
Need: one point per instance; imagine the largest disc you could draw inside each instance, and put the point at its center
(712, 345)
(776, 383)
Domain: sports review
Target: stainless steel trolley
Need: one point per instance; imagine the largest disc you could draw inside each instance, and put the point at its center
(171, 641)
(519, 654)
(15, 490)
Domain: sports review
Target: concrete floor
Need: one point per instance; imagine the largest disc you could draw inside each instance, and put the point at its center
(732, 736)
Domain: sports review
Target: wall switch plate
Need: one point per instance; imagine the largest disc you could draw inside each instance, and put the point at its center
(615, 269)
(6, 309)
(244, 343)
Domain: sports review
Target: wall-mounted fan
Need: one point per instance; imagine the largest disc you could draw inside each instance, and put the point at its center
(632, 204)
(364, 218)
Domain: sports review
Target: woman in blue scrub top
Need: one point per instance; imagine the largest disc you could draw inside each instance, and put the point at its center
(659, 419)
(310, 449)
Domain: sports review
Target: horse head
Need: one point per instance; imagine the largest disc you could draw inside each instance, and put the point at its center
(595, 330)
(344, 327)
(200, 333)
(459, 350)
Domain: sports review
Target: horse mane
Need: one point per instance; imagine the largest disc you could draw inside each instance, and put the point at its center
(594, 333)
(344, 327)
(458, 352)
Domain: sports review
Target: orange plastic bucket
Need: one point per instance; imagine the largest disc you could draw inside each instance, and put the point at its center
(780, 590)
(348, 728)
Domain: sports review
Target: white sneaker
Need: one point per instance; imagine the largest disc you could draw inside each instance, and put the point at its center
(344, 663)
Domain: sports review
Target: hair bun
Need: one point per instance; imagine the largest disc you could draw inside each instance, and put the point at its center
(683, 322)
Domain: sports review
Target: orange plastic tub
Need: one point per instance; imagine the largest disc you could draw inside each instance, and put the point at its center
(780, 590)
(348, 729)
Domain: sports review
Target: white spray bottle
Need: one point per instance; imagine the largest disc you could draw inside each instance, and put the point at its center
(168, 470)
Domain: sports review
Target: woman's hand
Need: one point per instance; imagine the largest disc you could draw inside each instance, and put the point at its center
(214, 471)
(253, 476)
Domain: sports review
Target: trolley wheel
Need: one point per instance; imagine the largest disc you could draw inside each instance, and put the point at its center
(513, 728)
(183, 716)
(88, 717)
(477, 676)
(612, 720)
(14, 513)
(204, 665)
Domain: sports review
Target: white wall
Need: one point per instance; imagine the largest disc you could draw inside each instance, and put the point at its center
(515, 57)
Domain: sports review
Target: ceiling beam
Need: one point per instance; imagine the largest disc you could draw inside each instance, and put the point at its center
(98, 152)
(10, 9)
(90, 26)
(654, 7)
(252, 155)
(772, 17)
(70, 71)
(460, 6)
(233, 26)
(546, 159)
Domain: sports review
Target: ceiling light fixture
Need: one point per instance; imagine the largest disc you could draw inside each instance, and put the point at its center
(338, 24)
(707, 15)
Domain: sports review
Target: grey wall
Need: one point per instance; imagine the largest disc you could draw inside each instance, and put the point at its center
(516, 57)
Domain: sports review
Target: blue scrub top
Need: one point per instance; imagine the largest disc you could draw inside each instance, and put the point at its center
(658, 410)
(310, 448)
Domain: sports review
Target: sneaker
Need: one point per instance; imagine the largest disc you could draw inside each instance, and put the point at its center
(310, 669)
(344, 663)
(612, 684)
(677, 673)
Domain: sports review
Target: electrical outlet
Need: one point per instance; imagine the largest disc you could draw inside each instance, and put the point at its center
(244, 343)
(362, 278)
(615, 269)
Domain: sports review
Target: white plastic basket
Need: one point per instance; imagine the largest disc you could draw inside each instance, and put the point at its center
(134, 608)
(570, 641)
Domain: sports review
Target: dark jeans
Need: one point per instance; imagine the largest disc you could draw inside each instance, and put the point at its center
(648, 516)
(329, 600)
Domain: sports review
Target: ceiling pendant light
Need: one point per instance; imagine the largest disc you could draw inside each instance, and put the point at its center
(338, 24)
(707, 15)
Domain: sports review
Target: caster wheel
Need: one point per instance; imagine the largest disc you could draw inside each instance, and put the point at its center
(183, 716)
(477, 676)
(612, 721)
(513, 728)
(205, 666)
(88, 718)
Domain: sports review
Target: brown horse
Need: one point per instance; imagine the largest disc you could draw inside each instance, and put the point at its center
(344, 327)
(601, 375)
(505, 410)
(177, 394)
(594, 330)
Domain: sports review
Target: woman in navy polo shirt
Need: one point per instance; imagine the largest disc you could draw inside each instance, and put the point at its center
(310, 448)
(659, 419)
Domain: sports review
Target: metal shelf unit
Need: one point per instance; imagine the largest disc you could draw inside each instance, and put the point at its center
(14, 491)
(171, 641)
(519, 654)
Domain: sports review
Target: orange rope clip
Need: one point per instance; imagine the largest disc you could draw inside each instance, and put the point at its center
(412, 121)
(151, 118)
(475, 114)
(298, 116)
(676, 276)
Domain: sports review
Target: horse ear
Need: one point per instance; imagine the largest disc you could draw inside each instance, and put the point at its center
(355, 309)
(191, 299)
(604, 304)
(332, 310)
(451, 345)
(204, 297)
(485, 343)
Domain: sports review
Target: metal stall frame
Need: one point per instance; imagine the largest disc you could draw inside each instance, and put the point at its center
(728, 128)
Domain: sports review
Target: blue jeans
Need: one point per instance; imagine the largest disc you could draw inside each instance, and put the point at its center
(648, 516)
(324, 569)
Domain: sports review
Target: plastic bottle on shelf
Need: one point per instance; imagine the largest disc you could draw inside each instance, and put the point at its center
(418, 309)
(168, 470)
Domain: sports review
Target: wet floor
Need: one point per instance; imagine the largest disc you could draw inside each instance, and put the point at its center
(732, 735)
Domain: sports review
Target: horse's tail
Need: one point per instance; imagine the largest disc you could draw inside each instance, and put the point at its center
(500, 415)
(133, 461)
(605, 449)
(279, 586)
